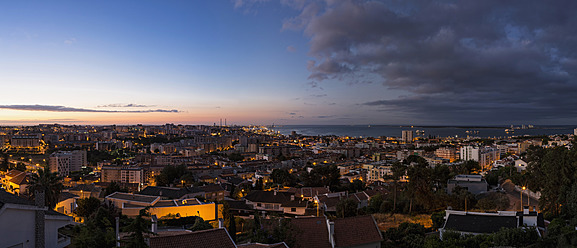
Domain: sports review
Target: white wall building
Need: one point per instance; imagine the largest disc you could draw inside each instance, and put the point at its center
(407, 136)
(18, 222)
(486, 156)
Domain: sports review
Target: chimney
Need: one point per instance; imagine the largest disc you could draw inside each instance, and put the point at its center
(40, 220)
(274, 192)
(215, 210)
(154, 221)
(525, 210)
(331, 233)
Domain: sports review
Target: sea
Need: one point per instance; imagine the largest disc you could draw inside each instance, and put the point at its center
(423, 131)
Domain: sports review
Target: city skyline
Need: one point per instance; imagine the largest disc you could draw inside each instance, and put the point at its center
(288, 62)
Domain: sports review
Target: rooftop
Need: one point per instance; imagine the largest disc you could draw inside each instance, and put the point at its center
(199, 239)
(133, 197)
(356, 231)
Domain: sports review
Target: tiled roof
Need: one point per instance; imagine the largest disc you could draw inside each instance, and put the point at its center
(211, 188)
(259, 245)
(362, 196)
(312, 232)
(238, 205)
(6, 197)
(13, 173)
(332, 202)
(479, 223)
(295, 204)
(85, 188)
(171, 193)
(235, 180)
(19, 179)
(199, 239)
(309, 191)
(356, 231)
(133, 197)
(66, 195)
(268, 196)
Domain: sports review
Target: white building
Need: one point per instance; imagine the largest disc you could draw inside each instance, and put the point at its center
(65, 162)
(407, 136)
(19, 224)
(377, 172)
(520, 165)
(486, 156)
(132, 175)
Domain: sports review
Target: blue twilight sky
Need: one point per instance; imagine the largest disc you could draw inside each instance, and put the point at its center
(288, 62)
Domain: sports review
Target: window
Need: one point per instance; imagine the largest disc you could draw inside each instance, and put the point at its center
(293, 209)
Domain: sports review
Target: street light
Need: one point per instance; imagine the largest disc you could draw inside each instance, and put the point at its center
(317, 202)
(521, 202)
(524, 188)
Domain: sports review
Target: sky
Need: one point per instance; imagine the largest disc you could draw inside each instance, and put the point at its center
(285, 62)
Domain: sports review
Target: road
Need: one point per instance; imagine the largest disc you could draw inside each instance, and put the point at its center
(29, 165)
(514, 197)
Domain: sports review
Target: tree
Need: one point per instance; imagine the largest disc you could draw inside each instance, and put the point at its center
(5, 162)
(323, 176)
(347, 208)
(375, 203)
(47, 182)
(406, 235)
(235, 156)
(87, 206)
(356, 186)
(21, 166)
(420, 182)
(493, 201)
(137, 229)
(282, 177)
(97, 230)
(438, 219)
(112, 187)
(518, 237)
(200, 224)
(466, 167)
(232, 228)
(172, 174)
(399, 170)
(278, 230)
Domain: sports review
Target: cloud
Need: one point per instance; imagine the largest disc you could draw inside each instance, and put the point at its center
(54, 108)
(70, 41)
(292, 113)
(247, 6)
(320, 95)
(325, 116)
(130, 105)
(291, 49)
(504, 60)
(35, 121)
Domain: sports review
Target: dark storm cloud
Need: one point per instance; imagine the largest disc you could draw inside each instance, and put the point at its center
(506, 60)
(53, 108)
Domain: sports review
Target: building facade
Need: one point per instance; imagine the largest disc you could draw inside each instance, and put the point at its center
(65, 162)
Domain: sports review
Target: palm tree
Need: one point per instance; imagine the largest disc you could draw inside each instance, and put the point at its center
(47, 182)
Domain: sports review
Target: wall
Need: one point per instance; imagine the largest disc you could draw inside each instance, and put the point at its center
(17, 226)
(205, 211)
